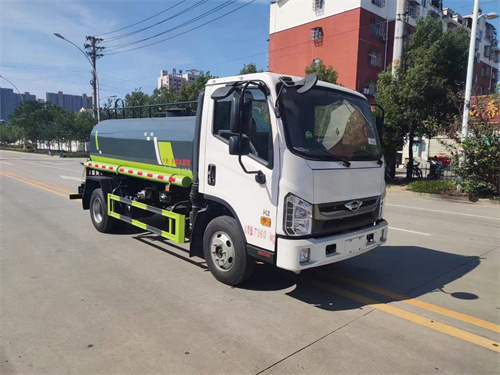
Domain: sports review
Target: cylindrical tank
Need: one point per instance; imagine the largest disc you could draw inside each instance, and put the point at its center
(163, 145)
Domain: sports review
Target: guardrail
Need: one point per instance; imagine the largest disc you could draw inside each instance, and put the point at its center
(186, 108)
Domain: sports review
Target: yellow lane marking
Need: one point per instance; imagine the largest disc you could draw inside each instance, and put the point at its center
(35, 181)
(424, 305)
(429, 323)
(34, 185)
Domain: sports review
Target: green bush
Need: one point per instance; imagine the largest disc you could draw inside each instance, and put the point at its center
(432, 186)
(20, 149)
(74, 155)
(480, 168)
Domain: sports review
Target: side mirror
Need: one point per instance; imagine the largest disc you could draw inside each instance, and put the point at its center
(241, 116)
(379, 123)
(234, 145)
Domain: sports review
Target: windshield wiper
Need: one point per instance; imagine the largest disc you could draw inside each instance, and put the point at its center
(346, 162)
(367, 153)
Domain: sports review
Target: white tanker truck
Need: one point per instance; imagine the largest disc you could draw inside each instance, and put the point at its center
(284, 170)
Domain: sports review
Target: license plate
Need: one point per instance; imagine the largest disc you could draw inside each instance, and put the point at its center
(355, 244)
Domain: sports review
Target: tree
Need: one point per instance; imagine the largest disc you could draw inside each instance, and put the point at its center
(8, 134)
(32, 120)
(419, 99)
(249, 69)
(324, 73)
(135, 99)
(83, 125)
(191, 91)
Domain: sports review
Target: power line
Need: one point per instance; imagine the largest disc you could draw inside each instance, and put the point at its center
(185, 32)
(196, 5)
(206, 14)
(144, 20)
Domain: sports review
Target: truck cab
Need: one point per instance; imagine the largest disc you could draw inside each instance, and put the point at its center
(286, 170)
(318, 193)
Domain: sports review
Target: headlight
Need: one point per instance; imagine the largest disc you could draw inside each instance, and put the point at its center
(298, 216)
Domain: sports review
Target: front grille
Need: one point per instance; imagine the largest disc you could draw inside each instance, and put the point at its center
(336, 207)
(344, 224)
(335, 217)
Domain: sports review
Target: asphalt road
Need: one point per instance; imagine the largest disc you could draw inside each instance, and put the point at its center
(75, 301)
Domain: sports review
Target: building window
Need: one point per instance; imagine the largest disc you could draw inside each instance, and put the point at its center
(318, 5)
(379, 3)
(484, 72)
(377, 28)
(316, 62)
(424, 3)
(371, 87)
(437, 4)
(413, 9)
(495, 56)
(317, 33)
(434, 15)
(374, 57)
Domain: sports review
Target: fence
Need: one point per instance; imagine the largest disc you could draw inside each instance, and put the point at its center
(436, 173)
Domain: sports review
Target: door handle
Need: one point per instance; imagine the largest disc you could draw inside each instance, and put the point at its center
(211, 174)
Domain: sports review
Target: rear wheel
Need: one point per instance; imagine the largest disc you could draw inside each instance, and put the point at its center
(99, 212)
(225, 251)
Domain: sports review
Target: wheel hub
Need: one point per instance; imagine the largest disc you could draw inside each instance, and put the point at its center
(222, 251)
(97, 211)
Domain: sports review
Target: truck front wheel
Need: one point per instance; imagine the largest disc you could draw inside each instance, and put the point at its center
(99, 212)
(225, 251)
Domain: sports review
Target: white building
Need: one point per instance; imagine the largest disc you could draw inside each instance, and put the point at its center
(174, 80)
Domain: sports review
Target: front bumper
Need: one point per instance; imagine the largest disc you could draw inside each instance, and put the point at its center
(340, 247)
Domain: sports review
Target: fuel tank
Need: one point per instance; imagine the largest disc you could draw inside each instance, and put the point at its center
(163, 145)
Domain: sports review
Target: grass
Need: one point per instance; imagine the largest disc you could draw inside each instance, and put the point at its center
(432, 186)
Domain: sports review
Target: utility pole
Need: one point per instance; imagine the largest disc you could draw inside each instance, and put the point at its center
(94, 52)
(399, 34)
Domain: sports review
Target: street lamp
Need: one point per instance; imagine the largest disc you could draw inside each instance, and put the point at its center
(20, 95)
(470, 66)
(94, 72)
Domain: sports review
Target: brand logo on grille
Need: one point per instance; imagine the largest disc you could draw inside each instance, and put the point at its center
(353, 205)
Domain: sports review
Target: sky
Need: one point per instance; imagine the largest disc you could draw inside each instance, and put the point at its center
(34, 60)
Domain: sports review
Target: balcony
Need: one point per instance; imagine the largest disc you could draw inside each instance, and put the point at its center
(414, 9)
(438, 4)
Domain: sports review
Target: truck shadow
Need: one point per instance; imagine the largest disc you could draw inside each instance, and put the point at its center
(387, 274)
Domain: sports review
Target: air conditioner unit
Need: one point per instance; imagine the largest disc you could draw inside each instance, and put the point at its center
(366, 91)
(383, 37)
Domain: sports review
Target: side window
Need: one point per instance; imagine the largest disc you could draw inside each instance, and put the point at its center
(222, 116)
(261, 141)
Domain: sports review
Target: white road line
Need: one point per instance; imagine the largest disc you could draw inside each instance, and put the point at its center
(4, 162)
(410, 231)
(47, 166)
(79, 179)
(444, 212)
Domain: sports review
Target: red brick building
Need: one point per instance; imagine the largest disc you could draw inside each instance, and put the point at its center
(356, 37)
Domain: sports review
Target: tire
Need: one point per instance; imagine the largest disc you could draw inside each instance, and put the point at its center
(225, 252)
(99, 212)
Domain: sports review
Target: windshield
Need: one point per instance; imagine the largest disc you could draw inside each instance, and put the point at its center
(326, 124)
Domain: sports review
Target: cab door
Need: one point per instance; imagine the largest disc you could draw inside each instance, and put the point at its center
(222, 177)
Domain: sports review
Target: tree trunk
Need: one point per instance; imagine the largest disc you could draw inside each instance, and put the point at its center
(391, 165)
(409, 168)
